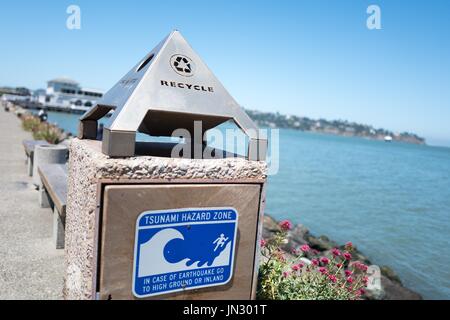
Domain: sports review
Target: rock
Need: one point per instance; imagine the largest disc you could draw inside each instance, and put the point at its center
(321, 243)
(296, 238)
(305, 261)
(270, 226)
(376, 294)
(393, 290)
(358, 256)
(298, 235)
(390, 274)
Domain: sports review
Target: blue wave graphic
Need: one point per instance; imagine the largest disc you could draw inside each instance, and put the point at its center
(201, 243)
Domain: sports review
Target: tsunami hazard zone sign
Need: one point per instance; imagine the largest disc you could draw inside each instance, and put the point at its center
(183, 249)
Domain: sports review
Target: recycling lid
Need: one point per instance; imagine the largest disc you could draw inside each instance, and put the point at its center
(170, 88)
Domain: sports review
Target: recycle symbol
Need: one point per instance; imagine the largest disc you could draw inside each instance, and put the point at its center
(182, 64)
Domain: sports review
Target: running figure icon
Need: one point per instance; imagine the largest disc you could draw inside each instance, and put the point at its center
(220, 241)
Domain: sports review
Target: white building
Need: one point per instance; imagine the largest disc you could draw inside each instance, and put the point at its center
(14, 97)
(67, 93)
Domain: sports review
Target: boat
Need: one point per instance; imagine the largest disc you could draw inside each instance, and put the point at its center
(387, 139)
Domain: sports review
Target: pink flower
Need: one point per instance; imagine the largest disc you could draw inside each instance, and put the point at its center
(348, 245)
(339, 265)
(301, 265)
(335, 252)
(315, 262)
(350, 280)
(263, 243)
(348, 273)
(332, 278)
(325, 260)
(347, 256)
(285, 225)
(305, 248)
(285, 274)
(359, 265)
(323, 270)
(295, 267)
(362, 267)
(315, 251)
(365, 280)
(362, 291)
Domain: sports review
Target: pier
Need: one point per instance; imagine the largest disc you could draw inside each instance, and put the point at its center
(30, 266)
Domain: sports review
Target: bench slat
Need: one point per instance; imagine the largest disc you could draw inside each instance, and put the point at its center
(54, 178)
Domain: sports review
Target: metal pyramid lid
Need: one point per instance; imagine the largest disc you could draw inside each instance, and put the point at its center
(168, 89)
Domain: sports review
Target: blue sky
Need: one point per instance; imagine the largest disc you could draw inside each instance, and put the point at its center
(309, 58)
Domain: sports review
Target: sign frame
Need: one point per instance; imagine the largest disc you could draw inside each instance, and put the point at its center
(177, 210)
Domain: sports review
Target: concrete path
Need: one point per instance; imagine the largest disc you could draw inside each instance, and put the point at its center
(30, 266)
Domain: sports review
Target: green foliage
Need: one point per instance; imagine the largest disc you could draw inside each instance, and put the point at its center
(30, 123)
(295, 278)
(47, 132)
(41, 130)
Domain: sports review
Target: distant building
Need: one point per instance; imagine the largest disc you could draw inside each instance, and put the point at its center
(21, 91)
(14, 97)
(67, 93)
(38, 92)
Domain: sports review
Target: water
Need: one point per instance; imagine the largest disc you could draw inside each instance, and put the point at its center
(391, 199)
(66, 121)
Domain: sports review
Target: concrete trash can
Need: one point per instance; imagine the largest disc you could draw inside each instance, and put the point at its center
(45, 154)
(143, 224)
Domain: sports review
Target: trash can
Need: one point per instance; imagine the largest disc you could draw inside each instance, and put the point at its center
(143, 224)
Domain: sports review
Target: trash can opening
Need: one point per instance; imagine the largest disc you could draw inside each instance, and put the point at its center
(145, 62)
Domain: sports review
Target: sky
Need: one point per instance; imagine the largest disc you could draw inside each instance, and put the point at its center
(309, 58)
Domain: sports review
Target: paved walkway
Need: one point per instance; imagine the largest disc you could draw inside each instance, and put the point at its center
(30, 266)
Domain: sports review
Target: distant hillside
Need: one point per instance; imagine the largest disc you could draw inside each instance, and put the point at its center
(336, 127)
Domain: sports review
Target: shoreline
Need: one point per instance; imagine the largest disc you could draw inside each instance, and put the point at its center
(391, 285)
(334, 127)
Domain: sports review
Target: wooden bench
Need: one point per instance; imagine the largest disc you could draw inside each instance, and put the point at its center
(53, 194)
(29, 146)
